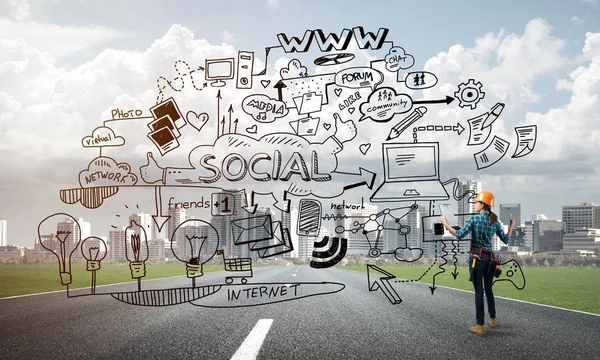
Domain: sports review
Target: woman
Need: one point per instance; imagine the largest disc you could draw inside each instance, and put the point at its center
(483, 227)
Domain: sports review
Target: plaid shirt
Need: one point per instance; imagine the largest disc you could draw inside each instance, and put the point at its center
(484, 231)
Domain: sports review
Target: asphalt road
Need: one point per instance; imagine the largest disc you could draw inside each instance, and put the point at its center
(353, 323)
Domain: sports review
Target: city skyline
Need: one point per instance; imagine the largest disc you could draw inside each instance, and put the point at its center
(539, 63)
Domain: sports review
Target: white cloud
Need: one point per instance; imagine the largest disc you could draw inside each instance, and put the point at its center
(576, 20)
(227, 37)
(46, 111)
(19, 9)
(591, 2)
(57, 40)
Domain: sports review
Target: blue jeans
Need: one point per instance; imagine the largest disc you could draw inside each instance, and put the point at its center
(483, 278)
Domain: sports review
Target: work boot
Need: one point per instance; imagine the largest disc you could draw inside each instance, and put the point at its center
(477, 330)
(492, 323)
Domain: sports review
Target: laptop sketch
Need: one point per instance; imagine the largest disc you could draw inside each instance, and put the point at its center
(411, 173)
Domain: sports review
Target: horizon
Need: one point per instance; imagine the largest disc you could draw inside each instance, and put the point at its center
(68, 69)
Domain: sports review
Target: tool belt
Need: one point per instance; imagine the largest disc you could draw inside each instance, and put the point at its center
(493, 263)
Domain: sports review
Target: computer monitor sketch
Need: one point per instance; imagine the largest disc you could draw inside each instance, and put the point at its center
(411, 162)
(217, 70)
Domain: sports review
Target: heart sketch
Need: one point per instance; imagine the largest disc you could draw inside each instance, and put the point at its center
(196, 120)
(364, 148)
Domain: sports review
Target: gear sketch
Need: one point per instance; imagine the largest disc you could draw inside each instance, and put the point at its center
(469, 94)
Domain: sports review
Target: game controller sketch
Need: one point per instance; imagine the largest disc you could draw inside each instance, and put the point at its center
(512, 272)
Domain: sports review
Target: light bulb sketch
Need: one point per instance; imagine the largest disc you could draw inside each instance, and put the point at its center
(93, 250)
(64, 238)
(136, 251)
(194, 242)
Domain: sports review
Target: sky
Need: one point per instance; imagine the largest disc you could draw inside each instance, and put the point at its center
(65, 65)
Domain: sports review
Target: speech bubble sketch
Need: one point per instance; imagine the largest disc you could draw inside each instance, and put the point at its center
(263, 108)
(477, 134)
(492, 153)
(383, 104)
(359, 77)
(398, 59)
(293, 70)
(418, 80)
(102, 136)
(526, 139)
(104, 171)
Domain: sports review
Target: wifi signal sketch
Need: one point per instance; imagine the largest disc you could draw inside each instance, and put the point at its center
(325, 258)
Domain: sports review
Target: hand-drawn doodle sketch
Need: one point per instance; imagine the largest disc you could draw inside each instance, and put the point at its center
(397, 59)
(526, 138)
(379, 279)
(418, 80)
(493, 115)
(411, 173)
(477, 134)
(406, 122)
(219, 70)
(260, 181)
(469, 94)
(94, 251)
(493, 153)
(322, 259)
(179, 80)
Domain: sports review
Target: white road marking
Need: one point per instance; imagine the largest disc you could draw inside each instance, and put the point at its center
(251, 345)
(294, 274)
(521, 301)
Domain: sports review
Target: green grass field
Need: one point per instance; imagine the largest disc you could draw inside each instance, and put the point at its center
(573, 288)
(30, 279)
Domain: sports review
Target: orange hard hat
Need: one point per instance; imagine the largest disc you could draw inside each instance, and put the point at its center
(486, 197)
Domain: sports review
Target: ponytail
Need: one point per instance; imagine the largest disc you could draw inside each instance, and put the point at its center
(493, 217)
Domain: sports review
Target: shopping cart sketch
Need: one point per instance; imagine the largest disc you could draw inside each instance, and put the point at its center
(241, 266)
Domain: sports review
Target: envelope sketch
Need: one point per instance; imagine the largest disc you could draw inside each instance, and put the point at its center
(248, 230)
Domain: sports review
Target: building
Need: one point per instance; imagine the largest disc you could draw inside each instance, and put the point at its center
(286, 223)
(3, 232)
(177, 217)
(345, 217)
(294, 231)
(586, 240)
(196, 240)
(118, 240)
(239, 217)
(506, 210)
(582, 216)
(146, 222)
(465, 207)
(547, 235)
(528, 235)
(72, 233)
